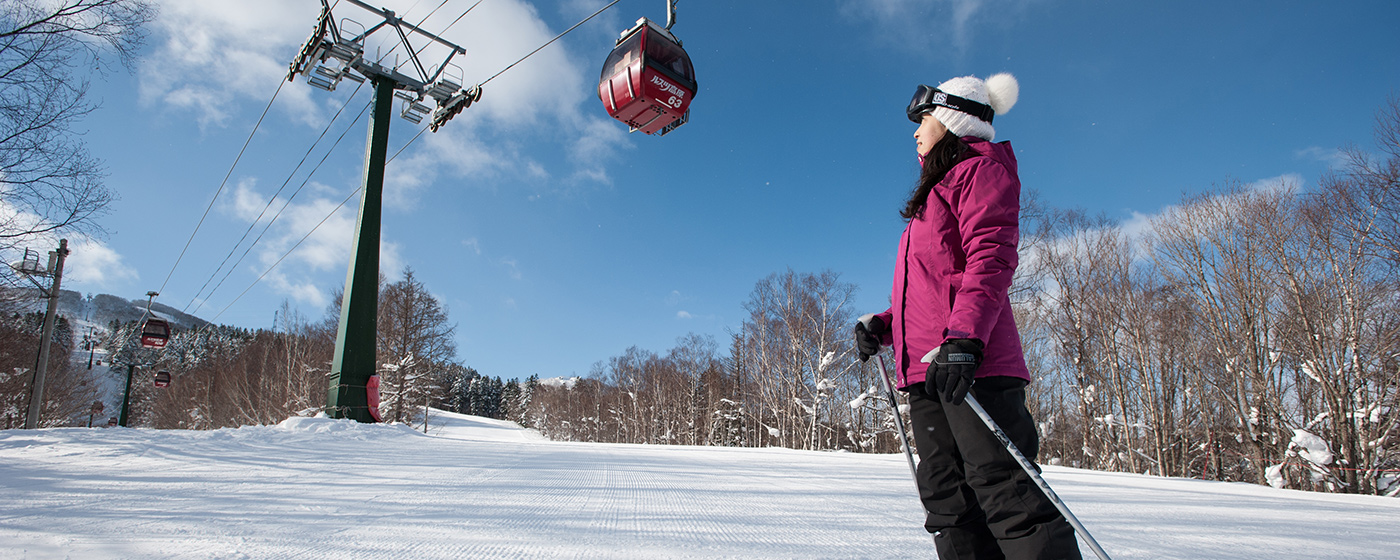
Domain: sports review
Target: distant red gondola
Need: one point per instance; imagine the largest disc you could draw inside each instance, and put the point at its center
(648, 81)
(155, 333)
(162, 379)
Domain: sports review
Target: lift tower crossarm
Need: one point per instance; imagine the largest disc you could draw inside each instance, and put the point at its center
(391, 19)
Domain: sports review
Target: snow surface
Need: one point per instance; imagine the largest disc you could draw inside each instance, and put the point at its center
(478, 488)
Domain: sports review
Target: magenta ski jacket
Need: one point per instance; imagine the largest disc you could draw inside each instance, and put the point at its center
(954, 267)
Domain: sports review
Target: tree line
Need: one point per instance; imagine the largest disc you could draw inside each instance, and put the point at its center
(1247, 334)
(1251, 334)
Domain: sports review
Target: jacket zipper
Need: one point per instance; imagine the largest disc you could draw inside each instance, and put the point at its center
(903, 306)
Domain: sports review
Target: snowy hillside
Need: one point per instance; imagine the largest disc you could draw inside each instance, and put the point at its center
(477, 488)
(93, 313)
(89, 317)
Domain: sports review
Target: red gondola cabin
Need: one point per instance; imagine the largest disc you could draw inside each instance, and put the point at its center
(162, 379)
(155, 333)
(648, 81)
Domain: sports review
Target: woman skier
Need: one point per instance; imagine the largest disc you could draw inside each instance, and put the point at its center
(951, 324)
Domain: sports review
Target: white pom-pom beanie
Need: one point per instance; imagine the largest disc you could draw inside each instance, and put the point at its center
(998, 91)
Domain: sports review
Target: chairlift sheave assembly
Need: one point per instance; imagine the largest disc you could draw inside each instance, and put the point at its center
(648, 81)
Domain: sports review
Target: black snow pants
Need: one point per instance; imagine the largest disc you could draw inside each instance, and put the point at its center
(981, 504)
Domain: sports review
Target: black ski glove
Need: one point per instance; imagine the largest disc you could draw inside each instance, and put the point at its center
(951, 373)
(868, 330)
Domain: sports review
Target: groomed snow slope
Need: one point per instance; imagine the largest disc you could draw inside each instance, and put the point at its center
(477, 488)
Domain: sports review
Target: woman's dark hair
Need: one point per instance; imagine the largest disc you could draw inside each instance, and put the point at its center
(945, 154)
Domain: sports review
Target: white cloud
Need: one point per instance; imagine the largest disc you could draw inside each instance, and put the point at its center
(472, 245)
(94, 265)
(212, 56)
(684, 315)
(219, 62)
(512, 268)
(1137, 226)
(301, 291)
(90, 264)
(1133, 233)
(1333, 157)
(1287, 181)
(327, 249)
(929, 25)
(391, 261)
(301, 273)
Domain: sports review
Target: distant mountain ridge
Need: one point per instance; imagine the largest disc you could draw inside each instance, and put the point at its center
(101, 309)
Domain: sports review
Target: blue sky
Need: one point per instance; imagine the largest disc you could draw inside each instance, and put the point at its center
(556, 240)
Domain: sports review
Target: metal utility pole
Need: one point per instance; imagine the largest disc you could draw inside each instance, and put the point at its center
(337, 56)
(36, 394)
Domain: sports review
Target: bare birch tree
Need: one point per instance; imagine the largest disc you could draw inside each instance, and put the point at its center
(49, 182)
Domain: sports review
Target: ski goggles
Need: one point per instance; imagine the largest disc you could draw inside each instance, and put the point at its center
(926, 98)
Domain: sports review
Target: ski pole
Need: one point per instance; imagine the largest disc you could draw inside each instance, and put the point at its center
(1035, 476)
(899, 422)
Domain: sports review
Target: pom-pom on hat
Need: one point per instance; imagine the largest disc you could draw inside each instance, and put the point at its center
(999, 91)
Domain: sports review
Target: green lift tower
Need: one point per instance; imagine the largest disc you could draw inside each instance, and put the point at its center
(333, 54)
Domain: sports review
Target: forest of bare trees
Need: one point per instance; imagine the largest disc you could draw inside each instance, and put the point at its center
(225, 376)
(789, 380)
(1250, 333)
(50, 184)
(70, 392)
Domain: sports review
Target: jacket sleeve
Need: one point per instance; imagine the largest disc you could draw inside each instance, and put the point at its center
(887, 316)
(987, 205)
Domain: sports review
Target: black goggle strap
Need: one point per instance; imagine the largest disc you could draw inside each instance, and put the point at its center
(925, 98)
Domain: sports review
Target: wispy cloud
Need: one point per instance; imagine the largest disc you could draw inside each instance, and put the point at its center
(933, 24)
(326, 249)
(512, 268)
(1133, 232)
(90, 265)
(219, 62)
(1333, 157)
(213, 57)
(93, 265)
(1287, 181)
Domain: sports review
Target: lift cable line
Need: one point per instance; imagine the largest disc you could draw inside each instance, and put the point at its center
(313, 229)
(430, 14)
(449, 26)
(287, 254)
(381, 58)
(478, 87)
(329, 56)
(407, 144)
(335, 57)
(255, 222)
(323, 133)
(221, 187)
(459, 18)
(556, 38)
(290, 176)
(409, 10)
(285, 205)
